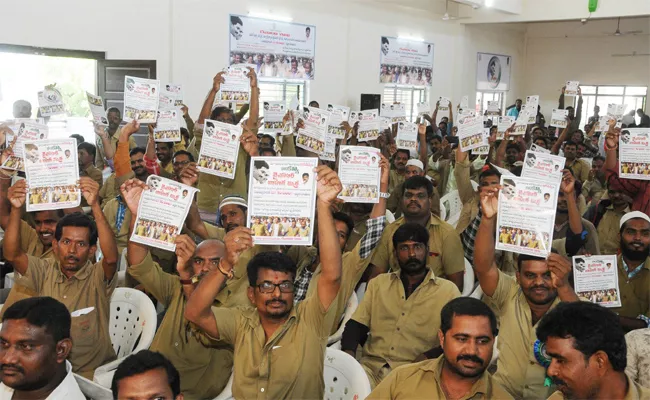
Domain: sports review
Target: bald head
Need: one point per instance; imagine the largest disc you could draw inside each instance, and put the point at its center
(22, 109)
(207, 255)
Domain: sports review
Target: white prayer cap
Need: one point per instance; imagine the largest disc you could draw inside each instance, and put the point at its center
(633, 215)
(416, 163)
(233, 199)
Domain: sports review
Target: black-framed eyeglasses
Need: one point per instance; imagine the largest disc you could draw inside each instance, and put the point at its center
(181, 163)
(269, 287)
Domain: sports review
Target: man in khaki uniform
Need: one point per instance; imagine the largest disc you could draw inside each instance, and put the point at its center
(579, 167)
(413, 168)
(519, 303)
(467, 332)
(279, 349)
(398, 172)
(86, 156)
(586, 346)
(634, 271)
(213, 188)
(445, 257)
(71, 278)
(400, 312)
(114, 117)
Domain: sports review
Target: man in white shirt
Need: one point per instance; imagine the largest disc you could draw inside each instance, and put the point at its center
(35, 342)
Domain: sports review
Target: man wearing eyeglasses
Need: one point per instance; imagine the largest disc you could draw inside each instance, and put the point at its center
(279, 348)
(174, 339)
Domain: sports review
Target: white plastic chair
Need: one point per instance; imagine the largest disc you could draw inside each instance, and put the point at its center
(344, 377)
(121, 270)
(352, 305)
(133, 319)
(226, 393)
(390, 217)
(468, 279)
(92, 390)
(443, 211)
(361, 291)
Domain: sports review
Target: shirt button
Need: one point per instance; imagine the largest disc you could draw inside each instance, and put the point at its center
(398, 329)
(65, 297)
(262, 390)
(532, 363)
(392, 348)
(402, 314)
(176, 344)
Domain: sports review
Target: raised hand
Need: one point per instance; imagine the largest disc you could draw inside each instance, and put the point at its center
(567, 186)
(249, 142)
(100, 131)
(560, 269)
(329, 185)
(185, 248)
(131, 192)
(8, 151)
(17, 194)
(385, 170)
(130, 128)
(217, 81)
(185, 110)
(490, 201)
(89, 190)
(252, 76)
(611, 139)
(189, 175)
(236, 241)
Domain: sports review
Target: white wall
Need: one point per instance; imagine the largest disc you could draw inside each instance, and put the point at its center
(561, 51)
(506, 39)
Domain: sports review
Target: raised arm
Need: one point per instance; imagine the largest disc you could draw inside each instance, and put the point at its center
(422, 137)
(565, 132)
(12, 252)
(567, 186)
(462, 175)
(329, 186)
(501, 150)
(561, 101)
(5, 183)
(131, 191)
(254, 114)
(90, 191)
(206, 110)
(484, 266)
(198, 308)
(611, 146)
(578, 114)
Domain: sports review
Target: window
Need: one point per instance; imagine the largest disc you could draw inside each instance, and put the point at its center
(634, 97)
(282, 90)
(482, 99)
(407, 95)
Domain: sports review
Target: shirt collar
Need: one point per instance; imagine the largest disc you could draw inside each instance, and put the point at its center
(433, 221)
(430, 276)
(435, 366)
(80, 275)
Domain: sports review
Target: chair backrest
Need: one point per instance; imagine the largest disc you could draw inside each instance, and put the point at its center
(93, 390)
(123, 263)
(443, 212)
(133, 321)
(468, 279)
(352, 305)
(344, 377)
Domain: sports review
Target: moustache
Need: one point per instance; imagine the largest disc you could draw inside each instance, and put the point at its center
(414, 203)
(558, 382)
(471, 357)
(540, 287)
(72, 258)
(12, 366)
(268, 302)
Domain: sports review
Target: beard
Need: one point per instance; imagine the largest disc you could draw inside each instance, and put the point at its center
(413, 265)
(635, 255)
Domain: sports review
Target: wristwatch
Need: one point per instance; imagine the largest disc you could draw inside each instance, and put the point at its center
(384, 195)
(192, 281)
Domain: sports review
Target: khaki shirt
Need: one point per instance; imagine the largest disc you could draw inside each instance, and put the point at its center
(608, 230)
(92, 345)
(108, 191)
(204, 370)
(414, 381)
(517, 369)
(634, 392)
(400, 329)
(93, 173)
(101, 154)
(395, 200)
(213, 188)
(441, 236)
(356, 234)
(289, 364)
(353, 269)
(31, 244)
(468, 196)
(580, 169)
(395, 181)
(635, 292)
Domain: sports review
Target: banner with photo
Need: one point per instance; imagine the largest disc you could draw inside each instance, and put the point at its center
(338, 115)
(634, 145)
(526, 217)
(493, 72)
(282, 200)
(274, 112)
(369, 124)
(407, 136)
(23, 130)
(50, 102)
(471, 132)
(543, 166)
(596, 278)
(278, 49)
(161, 212)
(171, 97)
(52, 172)
(168, 126)
(312, 136)
(97, 109)
(219, 149)
(405, 62)
(141, 99)
(359, 173)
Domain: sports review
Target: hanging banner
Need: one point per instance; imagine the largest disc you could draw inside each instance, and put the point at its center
(278, 49)
(405, 62)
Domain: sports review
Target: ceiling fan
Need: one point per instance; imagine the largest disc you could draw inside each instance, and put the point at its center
(618, 32)
(632, 54)
(448, 17)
